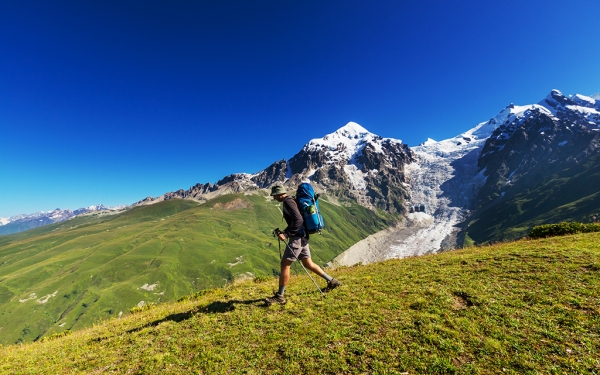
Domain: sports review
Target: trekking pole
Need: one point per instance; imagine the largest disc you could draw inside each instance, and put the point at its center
(276, 232)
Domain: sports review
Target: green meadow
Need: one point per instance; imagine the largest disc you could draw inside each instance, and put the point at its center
(70, 275)
(524, 307)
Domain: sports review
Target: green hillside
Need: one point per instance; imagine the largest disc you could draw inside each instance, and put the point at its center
(565, 195)
(527, 307)
(67, 276)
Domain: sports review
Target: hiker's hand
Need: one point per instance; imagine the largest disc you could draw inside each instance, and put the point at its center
(281, 236)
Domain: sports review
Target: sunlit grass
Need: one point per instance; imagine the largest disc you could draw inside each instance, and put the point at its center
(517, 308)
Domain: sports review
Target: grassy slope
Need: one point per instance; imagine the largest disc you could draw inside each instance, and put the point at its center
(516, 308)
(94, 268)
(568, 195)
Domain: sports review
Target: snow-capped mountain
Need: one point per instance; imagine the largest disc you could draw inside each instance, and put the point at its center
(357, 163)
(543, 135)
(19, 223)
(537, 166)
(349, 162)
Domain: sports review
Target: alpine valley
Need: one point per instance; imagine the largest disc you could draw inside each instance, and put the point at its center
(528, 165)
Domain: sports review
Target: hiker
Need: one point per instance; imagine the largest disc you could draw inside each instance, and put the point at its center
(297, 246)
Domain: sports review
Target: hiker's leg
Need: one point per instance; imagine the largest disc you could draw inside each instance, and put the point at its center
(304, 257)
(284, 276)
(308, 264)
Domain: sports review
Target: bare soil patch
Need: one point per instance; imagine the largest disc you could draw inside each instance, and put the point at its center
(236, 204)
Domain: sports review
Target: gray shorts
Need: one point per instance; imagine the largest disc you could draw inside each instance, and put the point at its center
(296, 246)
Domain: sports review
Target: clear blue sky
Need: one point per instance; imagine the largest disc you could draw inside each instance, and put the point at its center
(113, 101)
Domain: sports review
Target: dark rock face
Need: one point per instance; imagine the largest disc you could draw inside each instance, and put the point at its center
(386, 187)
(306, 160)
(194, 192)
(276, 172)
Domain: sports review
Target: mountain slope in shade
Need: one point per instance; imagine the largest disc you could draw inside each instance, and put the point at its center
(540, 168)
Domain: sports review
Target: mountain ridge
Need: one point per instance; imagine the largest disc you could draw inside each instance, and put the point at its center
(349, 163)
(22, 222)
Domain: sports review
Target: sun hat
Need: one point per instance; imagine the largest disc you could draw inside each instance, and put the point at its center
(277, 190)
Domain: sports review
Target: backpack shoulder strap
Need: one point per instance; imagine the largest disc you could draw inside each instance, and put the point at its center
(293, 199)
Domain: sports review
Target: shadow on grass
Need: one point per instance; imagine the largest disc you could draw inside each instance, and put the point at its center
(212, 308)
(221, 307)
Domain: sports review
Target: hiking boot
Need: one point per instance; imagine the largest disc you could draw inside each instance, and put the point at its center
(276, 299)
(331, 285)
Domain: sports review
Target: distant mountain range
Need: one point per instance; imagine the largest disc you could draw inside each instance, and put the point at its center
(24, 222)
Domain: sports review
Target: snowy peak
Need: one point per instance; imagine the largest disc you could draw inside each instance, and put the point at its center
(351, 130)
(346, 143)
(97, 207)
(507, 119)
(574, 106)
(556, 100)
(546, 131)
(555, 108)
(512, 114)
(346, 139)
(357, 163)
(584, 101)
(586, 108)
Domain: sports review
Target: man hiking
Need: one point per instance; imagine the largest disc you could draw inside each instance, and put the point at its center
(297, 246)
